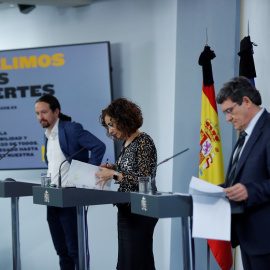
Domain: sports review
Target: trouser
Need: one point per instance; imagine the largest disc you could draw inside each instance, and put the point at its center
(255, 262)
(135, 240)
(63, 227)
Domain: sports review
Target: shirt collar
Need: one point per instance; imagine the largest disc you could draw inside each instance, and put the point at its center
(253, 122)
(54, 131)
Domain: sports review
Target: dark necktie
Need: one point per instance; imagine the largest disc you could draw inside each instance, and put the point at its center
(240, 144)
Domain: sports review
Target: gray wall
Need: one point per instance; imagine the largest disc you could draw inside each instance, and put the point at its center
(155, 49)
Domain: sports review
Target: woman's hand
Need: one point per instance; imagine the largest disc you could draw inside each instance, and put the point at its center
(104, 175)
(107, 165)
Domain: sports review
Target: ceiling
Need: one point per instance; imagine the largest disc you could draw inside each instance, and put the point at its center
(59, 3)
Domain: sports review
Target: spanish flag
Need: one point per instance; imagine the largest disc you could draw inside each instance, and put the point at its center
(211, 167)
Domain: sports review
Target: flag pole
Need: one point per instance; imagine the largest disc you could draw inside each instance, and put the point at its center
(208, 257)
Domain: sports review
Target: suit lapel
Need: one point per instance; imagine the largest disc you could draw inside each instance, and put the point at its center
(62, 138)
(45, 152)
(255, 135)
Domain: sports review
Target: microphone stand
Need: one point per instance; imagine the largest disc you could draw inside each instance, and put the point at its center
(165, 160)
(153, 182)
(59, 174)
(8, 151)
(68, 158)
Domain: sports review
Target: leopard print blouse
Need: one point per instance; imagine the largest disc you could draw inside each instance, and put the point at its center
(139, 158)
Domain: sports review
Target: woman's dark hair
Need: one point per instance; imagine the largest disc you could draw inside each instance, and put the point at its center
(54, 104)
(236, 89)
(126, 114)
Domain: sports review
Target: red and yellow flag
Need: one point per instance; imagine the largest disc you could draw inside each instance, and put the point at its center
(211, 167)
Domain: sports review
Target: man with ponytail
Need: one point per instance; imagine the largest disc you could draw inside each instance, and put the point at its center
(63, 138)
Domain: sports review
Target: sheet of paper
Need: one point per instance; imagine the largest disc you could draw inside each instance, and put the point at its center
(211, 211)
(82, 175)
(199, 186)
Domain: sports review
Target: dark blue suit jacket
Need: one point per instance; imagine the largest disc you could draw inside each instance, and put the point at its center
(72, 138)
(252, 229)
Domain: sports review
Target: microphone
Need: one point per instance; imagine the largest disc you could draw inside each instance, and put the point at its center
(67, 159)
(165, 160)
(153, 182)
(8, 151)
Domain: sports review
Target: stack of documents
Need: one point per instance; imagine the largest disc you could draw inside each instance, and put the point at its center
(82, 175)
(211, 211)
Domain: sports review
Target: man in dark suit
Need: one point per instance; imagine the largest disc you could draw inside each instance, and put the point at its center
(248, 175)
(63, 139)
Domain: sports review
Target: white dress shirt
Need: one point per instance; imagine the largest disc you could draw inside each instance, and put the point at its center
(55, 156)
(250, 127)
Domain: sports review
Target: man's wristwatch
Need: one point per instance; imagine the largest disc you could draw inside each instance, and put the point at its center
(115, 176)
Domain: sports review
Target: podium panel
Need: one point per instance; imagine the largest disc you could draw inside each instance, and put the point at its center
(166, 205)
(15, 189)
(73, 197)
(162, 205)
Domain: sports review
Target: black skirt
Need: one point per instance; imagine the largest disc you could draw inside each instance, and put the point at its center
(135, 240)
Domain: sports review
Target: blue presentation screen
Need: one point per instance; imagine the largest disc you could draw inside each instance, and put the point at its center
(79, 76)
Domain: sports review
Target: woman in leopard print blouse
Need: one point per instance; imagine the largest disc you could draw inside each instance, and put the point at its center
(138, 157)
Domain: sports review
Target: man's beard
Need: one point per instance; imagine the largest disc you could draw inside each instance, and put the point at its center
(44, 123)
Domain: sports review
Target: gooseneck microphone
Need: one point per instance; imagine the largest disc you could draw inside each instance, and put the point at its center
(167, 159)
(153, 182)
(67, 159)
(8, 151)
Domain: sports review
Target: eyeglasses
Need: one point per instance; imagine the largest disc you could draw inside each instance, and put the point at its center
(110, 125)
(230, 110)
